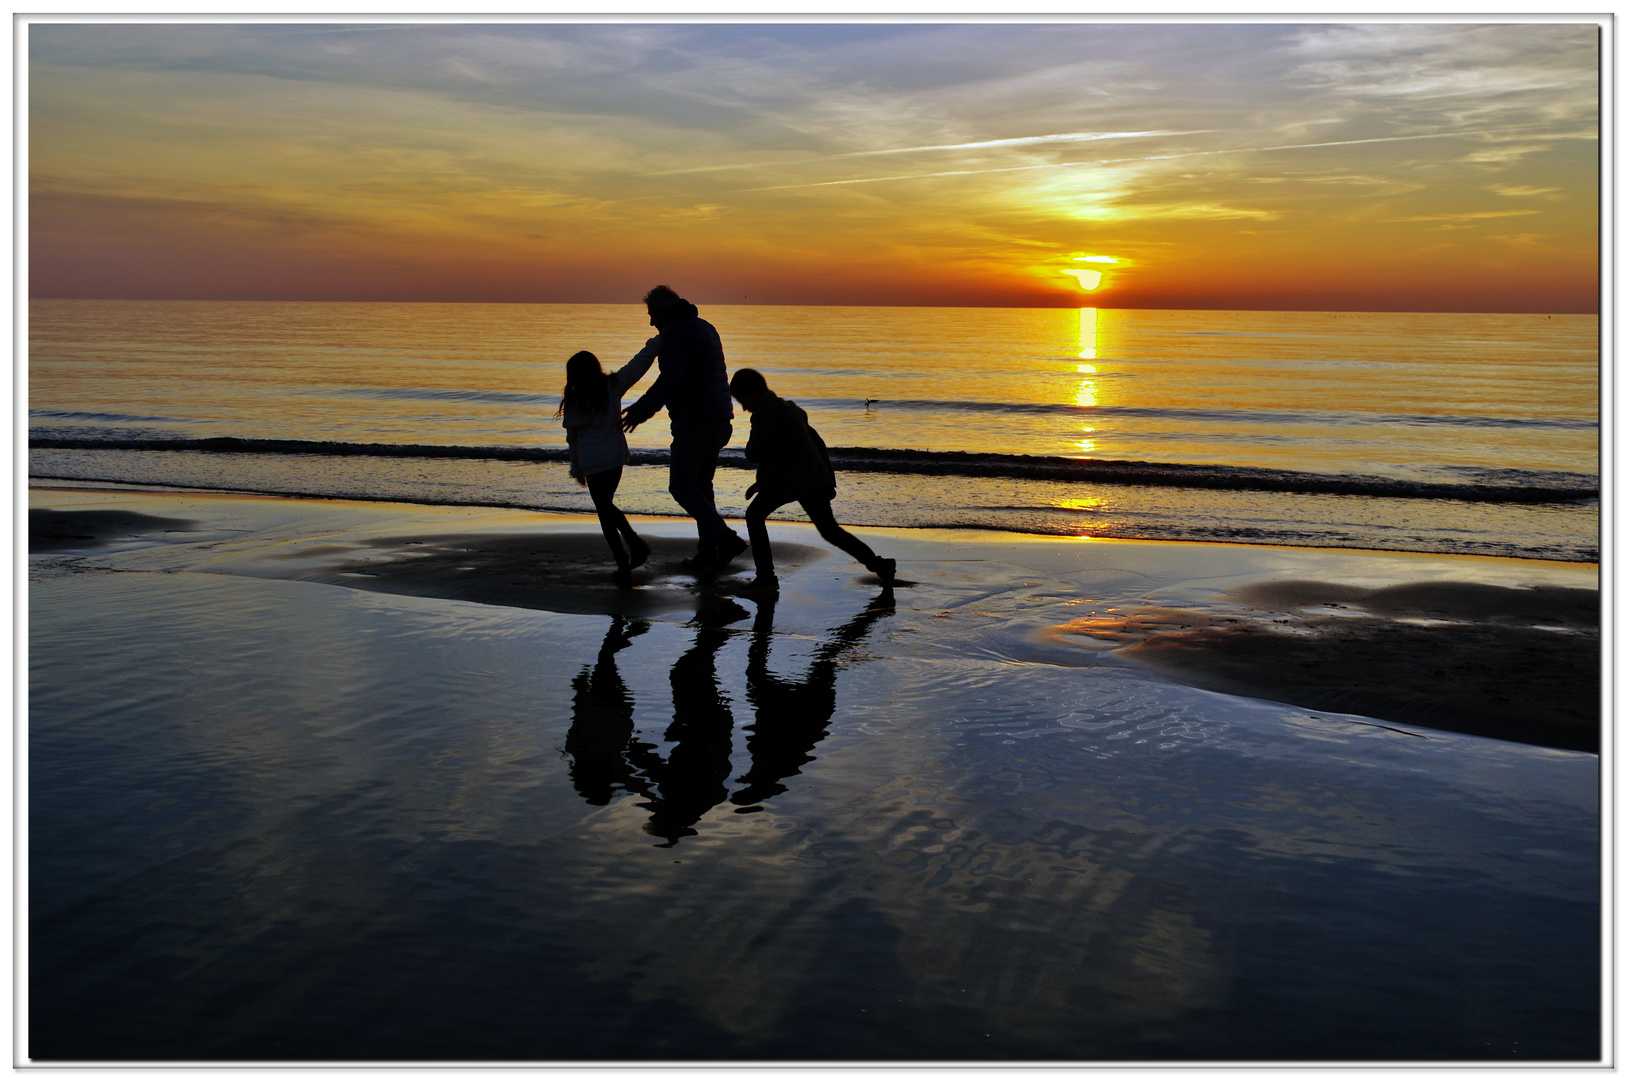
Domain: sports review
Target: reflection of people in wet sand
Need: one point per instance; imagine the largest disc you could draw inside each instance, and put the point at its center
(694, 388)
(793, 715)
(591, 410)
(694, 776)
(607, 756)
(601, 731)
(793, 465)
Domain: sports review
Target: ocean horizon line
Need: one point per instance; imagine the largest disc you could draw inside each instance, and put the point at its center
(1334, 311)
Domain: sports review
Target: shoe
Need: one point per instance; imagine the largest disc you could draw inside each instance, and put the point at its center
(699, 561)
(762, 585)
(622, 576)
(640, 553)
(728, 549)
(885, 569)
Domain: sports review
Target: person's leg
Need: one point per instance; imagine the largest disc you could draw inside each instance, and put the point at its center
(694, 461)
(602, 488)
(819, 512)
(637, 549)
(757, 528)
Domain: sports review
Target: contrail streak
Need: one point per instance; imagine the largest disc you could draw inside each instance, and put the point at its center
(1115, 161)
(1026, 140)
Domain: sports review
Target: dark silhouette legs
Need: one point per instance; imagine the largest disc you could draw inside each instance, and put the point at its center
(602, 489)
(689, 482)
(818, 511)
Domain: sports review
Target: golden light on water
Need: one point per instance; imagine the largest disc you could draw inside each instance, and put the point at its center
(1087, 336)
(1085, 504)
(1085, 396)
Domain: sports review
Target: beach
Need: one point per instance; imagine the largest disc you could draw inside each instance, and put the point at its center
(336, 780)
(1215, 407)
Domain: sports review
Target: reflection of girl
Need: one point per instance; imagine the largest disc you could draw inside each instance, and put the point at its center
(591, 410)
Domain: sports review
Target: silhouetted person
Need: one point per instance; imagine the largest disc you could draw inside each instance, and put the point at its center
(793, 715)
(694, 388)
(590, 408)
(694, 776)
(601, 737)
(793, 465)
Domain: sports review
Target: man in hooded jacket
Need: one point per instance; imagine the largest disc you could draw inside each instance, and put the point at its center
(693, 386)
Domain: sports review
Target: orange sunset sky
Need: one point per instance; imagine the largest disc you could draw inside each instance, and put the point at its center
(1364, 166)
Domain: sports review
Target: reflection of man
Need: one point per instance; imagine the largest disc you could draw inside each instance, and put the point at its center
(608, 758)
(694, 776)
(694, 388)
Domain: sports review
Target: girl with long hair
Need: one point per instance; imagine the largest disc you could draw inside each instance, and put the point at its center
(591, 410)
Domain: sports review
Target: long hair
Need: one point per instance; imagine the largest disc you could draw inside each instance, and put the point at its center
(587, 387)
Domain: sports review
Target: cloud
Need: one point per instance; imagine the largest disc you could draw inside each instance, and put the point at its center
(1116, 161)
(1503, 155)
(1451, 74)
(945, 140)
(1521, 192)
(1475, 215)
(1028, 140)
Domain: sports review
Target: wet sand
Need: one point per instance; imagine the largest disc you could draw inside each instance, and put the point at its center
(1508, 663)
(69, 530)
(1515, 656)
(335, 781)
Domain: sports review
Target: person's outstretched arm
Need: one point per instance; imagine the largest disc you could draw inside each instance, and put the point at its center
(675, 357)
(634, 369)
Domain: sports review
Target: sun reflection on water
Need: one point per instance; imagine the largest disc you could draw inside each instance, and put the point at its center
(1086, 395)
(1087, 335)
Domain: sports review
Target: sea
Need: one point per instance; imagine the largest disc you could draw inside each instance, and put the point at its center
(272, 819)
(1449, 433)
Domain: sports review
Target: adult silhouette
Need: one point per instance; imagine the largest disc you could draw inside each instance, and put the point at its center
(693, 387)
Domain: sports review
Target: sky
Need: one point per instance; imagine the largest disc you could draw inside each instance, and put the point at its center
(1355, 167)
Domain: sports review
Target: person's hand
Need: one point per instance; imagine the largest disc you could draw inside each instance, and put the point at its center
(578, 477)
(627, 422)
(752, 490)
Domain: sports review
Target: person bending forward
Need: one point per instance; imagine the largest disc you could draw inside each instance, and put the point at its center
(793, 465)
(694, 388)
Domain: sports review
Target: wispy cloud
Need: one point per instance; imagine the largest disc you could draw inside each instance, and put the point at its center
(615, 145)
(1026, 140)
(1119, 161)
(1516, 191)
(1476, 215)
